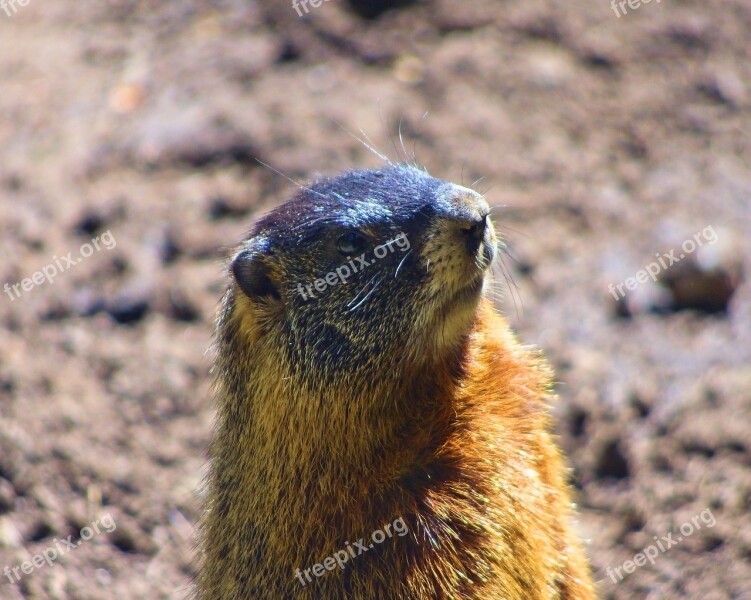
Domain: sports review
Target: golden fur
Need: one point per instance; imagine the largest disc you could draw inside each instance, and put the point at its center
(452, 435)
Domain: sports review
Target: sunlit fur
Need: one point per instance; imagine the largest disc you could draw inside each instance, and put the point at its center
(419, 404)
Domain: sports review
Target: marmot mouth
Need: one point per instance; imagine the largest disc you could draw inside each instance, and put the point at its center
(469, 292)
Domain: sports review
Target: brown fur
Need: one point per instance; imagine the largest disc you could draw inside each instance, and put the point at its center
(452, 437)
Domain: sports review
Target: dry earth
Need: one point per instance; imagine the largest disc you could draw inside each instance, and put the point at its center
(605, 141)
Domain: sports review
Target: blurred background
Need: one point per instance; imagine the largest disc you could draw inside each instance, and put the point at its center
(612, 137)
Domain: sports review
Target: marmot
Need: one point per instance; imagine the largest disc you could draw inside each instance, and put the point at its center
(388, 393)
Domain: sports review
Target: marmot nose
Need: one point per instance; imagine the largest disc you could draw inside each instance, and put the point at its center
(476, 231)
(470, 213)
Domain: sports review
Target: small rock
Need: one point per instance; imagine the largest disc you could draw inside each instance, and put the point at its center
(695, 288)
(612, 462)
(549, 66)
(129, 307)
(7, 496)
(10, 537)
(40, 531)
(726, 88)
(372, 9)
(126, 98)
(221, 208)
(104, 577)
(169, 247)
(191, 137)
(89, 224)
(577, 421)
(409, 69)
(182, 309)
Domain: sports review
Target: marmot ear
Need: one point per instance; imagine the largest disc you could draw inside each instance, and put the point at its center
(252, 275)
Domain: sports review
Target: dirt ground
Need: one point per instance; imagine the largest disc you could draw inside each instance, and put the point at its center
(129, 133)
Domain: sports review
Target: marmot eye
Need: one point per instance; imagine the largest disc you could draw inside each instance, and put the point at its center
(350, 243)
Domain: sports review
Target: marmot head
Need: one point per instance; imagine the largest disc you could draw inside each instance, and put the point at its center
(363, 271)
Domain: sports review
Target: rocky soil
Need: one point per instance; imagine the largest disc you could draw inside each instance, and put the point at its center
(130, 134)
